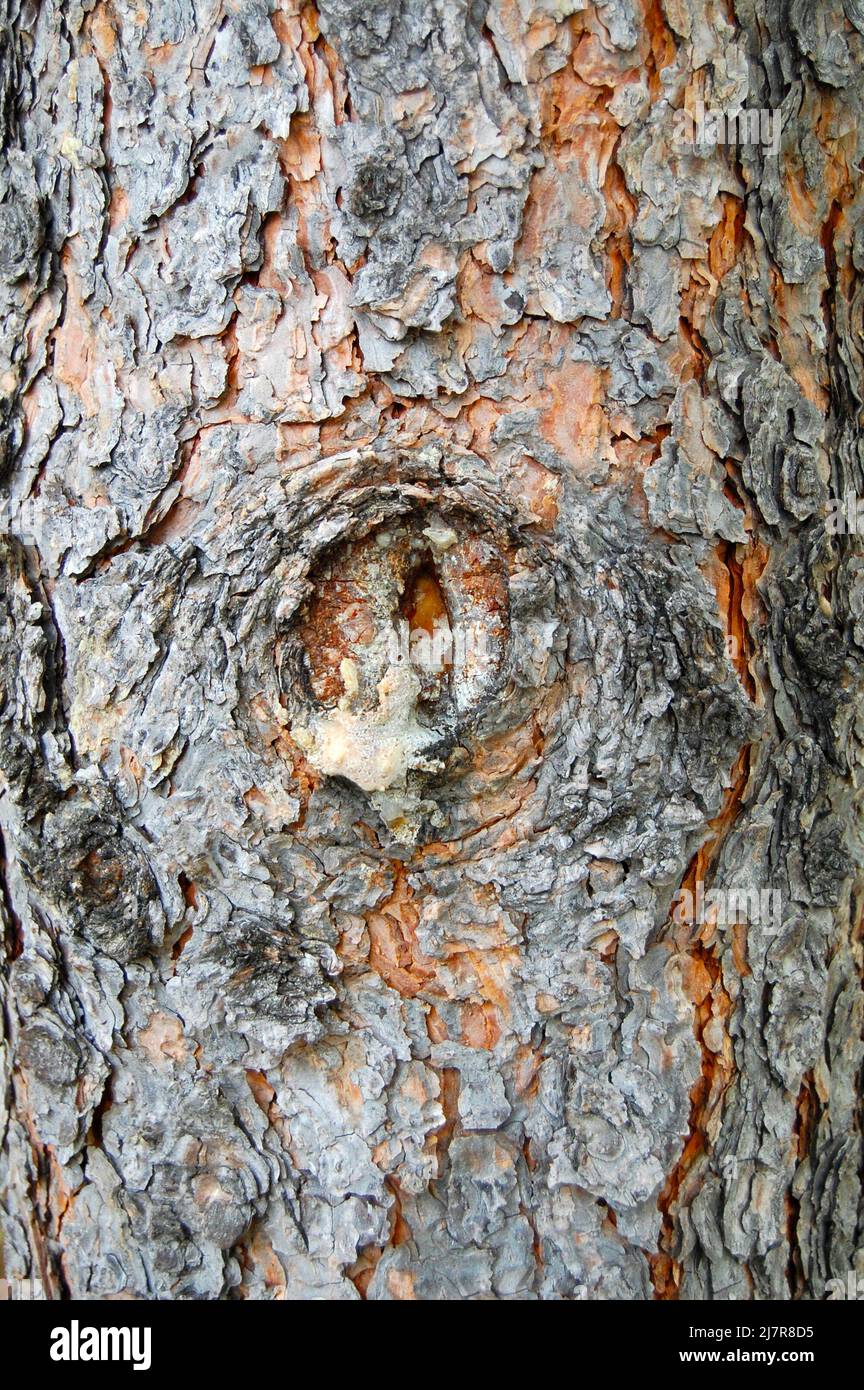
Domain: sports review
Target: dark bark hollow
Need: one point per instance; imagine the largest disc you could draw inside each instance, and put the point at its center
(343, 964)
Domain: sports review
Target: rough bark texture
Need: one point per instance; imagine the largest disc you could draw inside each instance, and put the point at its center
(329, 979)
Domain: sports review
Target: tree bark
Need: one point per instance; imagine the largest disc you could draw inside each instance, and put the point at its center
(335, 968)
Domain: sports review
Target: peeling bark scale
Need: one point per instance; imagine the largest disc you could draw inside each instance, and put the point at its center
(430, 685)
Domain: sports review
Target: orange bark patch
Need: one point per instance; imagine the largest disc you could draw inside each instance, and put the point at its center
(336, 623)
(400, 1283)
(480, 1026)
(663, 46)
(620, 212)
(727, 241)
(734, 578)
(102, 32)
(163, 1040)
(574, 422)
(537, 488)
(394, 952)
(301, 150)
(76, 348)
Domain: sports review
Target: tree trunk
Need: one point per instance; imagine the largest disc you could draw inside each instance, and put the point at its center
(432, 631)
